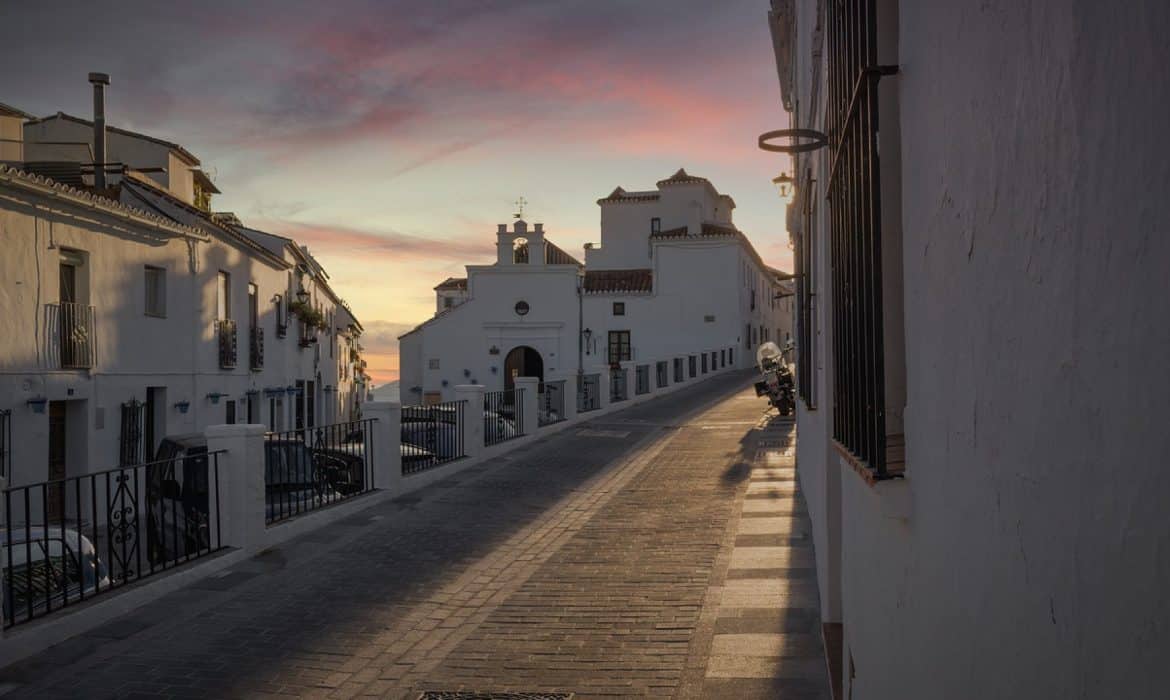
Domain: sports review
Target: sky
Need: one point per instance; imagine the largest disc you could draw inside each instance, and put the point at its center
(391, 136)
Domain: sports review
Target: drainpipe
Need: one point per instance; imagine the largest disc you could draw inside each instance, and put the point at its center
(100, 81)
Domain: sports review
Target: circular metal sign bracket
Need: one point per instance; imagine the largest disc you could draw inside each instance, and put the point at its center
(818, 141)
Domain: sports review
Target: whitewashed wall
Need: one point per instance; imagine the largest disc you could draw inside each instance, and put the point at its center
(1024, 553)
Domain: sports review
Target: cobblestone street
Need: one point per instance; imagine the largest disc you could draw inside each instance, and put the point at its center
(658, 551)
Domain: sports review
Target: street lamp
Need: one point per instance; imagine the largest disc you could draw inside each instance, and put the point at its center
(784, 182)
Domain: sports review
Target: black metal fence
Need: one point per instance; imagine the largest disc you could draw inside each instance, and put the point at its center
(315, 467)
(432, 435)
(5, 443)
(552, 403)
(642, 379)
(588, 392)
(69, 540)
(503, 415)
(618, 386)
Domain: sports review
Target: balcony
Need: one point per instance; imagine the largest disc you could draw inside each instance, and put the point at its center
(71, 331)
(226, 329)
(256, 349)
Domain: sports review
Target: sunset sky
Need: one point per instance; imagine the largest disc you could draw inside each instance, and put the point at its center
(391, 137)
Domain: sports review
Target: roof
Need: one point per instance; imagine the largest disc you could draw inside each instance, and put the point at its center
(146, 214)
(453, 283)
(141, 192)
(9, 111)
(183, 152)
(620, 195)
(623, 281)
(681, 177)
(710, 231)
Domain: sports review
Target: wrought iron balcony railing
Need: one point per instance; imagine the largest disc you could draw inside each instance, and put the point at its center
(73, 326)
(256, 349)
(226, 329)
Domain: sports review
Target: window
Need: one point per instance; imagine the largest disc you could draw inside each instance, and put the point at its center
(281, 321)
(753, 300)
(448, 302)
(223, 296)
(747, 336)
(619, 346)
(655, 225)
(433, 363)
(704, 363)
(691, 365)
(619, 308)
(230, 412)
(867, 336)
(156, 291)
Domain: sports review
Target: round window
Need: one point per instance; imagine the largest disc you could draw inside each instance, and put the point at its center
(521, 308)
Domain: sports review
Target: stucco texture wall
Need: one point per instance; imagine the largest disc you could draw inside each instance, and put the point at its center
(1033, 562)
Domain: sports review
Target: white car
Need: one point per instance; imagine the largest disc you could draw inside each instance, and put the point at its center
(48, 568)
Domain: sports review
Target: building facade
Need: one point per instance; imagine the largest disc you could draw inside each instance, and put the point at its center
(981, 305)
(134, 313)
(672, 283)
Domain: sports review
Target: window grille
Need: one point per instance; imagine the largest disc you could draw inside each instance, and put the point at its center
(130, 452)
(855, 222)
(619, 346)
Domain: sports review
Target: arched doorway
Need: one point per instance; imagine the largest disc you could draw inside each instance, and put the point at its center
(522, 361)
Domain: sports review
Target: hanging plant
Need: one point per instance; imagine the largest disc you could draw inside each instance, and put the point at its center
(307, 314)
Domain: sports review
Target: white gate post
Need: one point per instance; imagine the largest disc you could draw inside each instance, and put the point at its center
(241, 489)
(387, 441)
(531, 393)
(472, 417)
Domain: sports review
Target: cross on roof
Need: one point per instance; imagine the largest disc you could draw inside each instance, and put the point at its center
(520, 207)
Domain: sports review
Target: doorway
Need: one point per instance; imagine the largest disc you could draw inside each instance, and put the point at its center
(155, 419)
(522, 361)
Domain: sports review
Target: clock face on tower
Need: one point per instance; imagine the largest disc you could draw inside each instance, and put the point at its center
(521, 308)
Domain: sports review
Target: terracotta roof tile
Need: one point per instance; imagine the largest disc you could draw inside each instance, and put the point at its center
(620, 195)
(627, 281)
(453, 283)
(681, 177)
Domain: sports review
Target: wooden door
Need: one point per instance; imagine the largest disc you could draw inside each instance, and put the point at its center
(55, 493)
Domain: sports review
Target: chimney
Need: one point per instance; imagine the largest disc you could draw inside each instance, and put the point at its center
(100, 81)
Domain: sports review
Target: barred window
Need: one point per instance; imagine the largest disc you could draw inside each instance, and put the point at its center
(156, 290)
(866, 345)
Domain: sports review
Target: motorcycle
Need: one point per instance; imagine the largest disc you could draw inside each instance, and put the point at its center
(777, 383)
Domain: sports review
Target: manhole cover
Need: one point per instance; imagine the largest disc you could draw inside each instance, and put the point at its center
(467, 695)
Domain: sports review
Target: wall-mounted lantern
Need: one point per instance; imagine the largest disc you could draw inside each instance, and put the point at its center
(495, 369)
(587, 334)
(302, 296)
(183, 406)
(37, 404)
(466, 373)
(784, 183)
(445, 382)
(493, 350)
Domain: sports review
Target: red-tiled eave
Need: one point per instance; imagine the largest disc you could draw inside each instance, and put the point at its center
(452, 283)
(623, 281)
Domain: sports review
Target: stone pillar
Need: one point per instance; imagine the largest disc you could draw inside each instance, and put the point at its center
(531, 388)
(631, 369)
(472, 417)
(570, 409)
(604, 377)
(241, 490)
(387, 441)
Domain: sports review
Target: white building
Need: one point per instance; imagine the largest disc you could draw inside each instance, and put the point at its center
(133, 313)
(673, 288)
(982, 350)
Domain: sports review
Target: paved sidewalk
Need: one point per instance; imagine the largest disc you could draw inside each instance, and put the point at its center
(593, 561)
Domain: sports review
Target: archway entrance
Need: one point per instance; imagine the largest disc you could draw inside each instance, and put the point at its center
(522, 361)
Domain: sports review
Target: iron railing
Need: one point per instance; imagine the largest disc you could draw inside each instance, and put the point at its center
(226, 330)
(69, 540)
(313, 467)
(432, 435)
(662, 373)
(308, 334)
(73, 325)
(642, 379)
(503, 415)
(552, 403)
(5, 443)
(256, 349)
(310, 468)
(588, 392)
(618, 385)
(854, 194)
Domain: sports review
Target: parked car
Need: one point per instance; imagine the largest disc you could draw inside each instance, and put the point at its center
(415, 457)
(178, 499)
(296, 478)
(48, 567)
(497, 427)
(432, 428)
